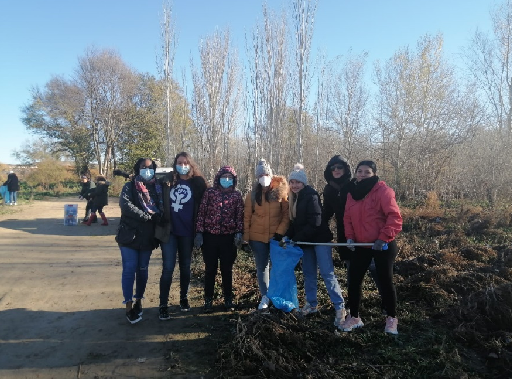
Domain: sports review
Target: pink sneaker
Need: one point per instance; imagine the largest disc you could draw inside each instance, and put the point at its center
(351, 323)
(391, 325)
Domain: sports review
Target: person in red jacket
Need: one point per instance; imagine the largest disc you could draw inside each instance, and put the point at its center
(371, 216)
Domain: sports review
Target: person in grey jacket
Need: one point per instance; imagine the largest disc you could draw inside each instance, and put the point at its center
(141, 210)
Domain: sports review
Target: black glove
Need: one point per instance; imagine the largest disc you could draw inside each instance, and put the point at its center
(247, 248)
(278, 237)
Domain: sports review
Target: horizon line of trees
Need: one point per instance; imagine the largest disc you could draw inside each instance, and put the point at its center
(428, 125)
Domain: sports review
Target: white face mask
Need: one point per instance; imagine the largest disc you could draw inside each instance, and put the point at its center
(264, 181)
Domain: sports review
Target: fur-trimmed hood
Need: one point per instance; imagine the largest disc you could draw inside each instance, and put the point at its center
(278, 188)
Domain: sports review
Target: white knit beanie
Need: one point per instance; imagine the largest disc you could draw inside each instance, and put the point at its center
(298, 174)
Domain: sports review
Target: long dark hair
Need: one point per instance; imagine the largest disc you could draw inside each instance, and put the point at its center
(136, 167)
(258, 195)
(194, 168)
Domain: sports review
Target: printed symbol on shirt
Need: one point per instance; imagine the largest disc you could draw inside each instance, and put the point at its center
(179, 196)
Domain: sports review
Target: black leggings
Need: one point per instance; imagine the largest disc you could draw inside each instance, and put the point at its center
(218, 247)
(359, 262)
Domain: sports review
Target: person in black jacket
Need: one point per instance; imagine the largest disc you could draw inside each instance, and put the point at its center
(141, 210)
(183, 190)
(99, 199)
(306, 225)
(13, 186)
(84, 194)
(337, 174)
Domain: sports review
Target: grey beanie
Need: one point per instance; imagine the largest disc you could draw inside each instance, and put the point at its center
(298, 174)
(263, 168)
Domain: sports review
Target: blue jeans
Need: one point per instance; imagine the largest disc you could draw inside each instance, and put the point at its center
(320, 257)
(181, 247)
(13, 196)
(261, 251)
(135, 269)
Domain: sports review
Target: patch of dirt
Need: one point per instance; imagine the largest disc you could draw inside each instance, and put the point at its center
(61, 305)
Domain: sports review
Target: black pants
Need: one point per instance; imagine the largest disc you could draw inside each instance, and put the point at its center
(88, 207)
(218, 247)
(359, 262)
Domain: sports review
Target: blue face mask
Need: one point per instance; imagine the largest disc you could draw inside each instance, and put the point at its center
(226, 182)
(147, 173)
(183, 170)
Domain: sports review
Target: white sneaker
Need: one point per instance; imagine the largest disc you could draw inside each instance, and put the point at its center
(264, 302)
(340, 317)
(308, 309)
(15, 203)
(351, 323)
(391, 325)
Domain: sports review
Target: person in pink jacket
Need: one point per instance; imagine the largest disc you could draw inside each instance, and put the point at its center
(371, 216)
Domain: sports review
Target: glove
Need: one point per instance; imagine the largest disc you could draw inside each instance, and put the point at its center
(156, 217)
(80, 197)
(238, 240)
(350, 246)
(282, 243)
(198, 240)
(378, 245)
(247, 248)
(278, 237)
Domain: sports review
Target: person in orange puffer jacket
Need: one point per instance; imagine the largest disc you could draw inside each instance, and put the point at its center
(371, 216)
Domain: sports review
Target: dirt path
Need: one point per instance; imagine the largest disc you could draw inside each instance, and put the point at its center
(61, 312)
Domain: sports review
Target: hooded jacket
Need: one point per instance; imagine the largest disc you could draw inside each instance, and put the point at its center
(99, 195)
(221, 210)
(335, 196)
(374, 217)
(261, 222)
(308, 225)
(13, 184)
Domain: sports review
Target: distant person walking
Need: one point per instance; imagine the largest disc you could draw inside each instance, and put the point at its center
(141, 211)
(13, 186)
(87, 185)
(266, 216)
(371, 216)
(99, 199)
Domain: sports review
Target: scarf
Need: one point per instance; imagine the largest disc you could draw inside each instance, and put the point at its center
(359, 190)
(339, 183)
(148, 205)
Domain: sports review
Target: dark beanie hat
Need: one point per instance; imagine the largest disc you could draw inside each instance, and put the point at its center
(370, 164)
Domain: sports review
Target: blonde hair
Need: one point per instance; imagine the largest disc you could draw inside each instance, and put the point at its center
(292, 201)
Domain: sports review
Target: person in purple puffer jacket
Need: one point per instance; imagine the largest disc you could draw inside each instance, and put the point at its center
(219, 227)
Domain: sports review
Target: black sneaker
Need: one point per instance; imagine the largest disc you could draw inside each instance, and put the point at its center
(184, 305)
(163, 313)
(132, 316)
(228, 304)
(208, 305)
(137, 307)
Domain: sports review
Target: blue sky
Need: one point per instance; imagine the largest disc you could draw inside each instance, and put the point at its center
(40, 39)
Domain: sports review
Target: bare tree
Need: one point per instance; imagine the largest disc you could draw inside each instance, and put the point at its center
(489, 59)
(108, 85)
(217, 98)
(303, 22)
(423, 113)
(169, 44)
(268, 77)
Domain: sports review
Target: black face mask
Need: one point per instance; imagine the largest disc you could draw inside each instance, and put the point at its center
(359, 190)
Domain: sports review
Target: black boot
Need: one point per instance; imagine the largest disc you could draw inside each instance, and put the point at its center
(87, 215)
(208, 305)
(228, 303)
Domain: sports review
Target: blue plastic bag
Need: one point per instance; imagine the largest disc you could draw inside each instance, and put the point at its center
(282, 287)
(4, 192)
